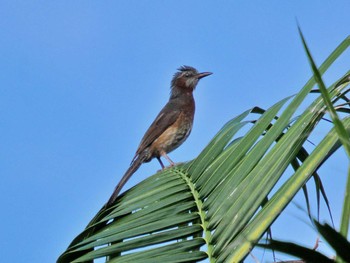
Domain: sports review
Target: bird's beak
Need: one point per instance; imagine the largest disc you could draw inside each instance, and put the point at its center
(203, 74)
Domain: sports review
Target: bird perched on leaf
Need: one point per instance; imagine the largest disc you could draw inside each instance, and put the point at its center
(171, 127)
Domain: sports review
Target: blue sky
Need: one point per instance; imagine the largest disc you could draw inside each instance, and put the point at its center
(82, 80)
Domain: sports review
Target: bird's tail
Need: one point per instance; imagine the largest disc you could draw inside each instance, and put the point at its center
(135, 164)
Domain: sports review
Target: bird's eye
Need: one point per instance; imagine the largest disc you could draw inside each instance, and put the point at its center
(187, 74)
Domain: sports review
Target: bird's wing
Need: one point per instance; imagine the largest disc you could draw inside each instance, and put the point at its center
(167, 116)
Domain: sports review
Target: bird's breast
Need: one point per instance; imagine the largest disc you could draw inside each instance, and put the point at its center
(174, 135)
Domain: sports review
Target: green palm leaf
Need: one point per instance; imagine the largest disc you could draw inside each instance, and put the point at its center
(210, 207)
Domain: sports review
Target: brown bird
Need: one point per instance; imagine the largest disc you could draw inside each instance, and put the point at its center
(171, 127)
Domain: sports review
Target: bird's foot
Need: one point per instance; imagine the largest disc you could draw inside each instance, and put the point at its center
(169, 166)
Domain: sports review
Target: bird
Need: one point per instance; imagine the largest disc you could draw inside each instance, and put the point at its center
(170, 128)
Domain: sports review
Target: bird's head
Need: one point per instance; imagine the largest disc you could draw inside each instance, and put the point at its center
(186, 79)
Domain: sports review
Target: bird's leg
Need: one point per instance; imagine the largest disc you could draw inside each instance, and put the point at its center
(169, 160)
(161, 163)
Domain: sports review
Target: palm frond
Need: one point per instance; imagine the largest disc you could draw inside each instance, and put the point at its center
(218, 205)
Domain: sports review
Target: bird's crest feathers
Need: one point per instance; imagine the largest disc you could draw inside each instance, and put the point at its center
(186, 68)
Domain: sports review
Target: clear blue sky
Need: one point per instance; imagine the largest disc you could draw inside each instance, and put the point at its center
(81, 81)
